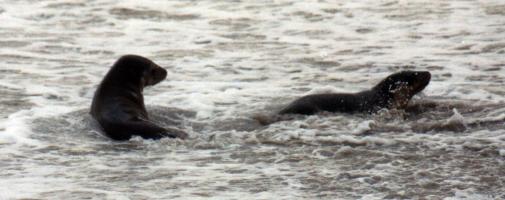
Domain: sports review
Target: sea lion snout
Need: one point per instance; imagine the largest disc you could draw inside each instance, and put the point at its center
(422, 80)
(424, 76)
(155, 74)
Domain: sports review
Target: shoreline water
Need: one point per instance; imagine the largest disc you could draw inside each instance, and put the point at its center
(228, 61)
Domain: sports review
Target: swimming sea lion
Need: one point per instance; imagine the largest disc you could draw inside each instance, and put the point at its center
(395, 91)
(118, 104)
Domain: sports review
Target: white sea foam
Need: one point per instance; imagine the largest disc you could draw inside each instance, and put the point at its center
(230, 60)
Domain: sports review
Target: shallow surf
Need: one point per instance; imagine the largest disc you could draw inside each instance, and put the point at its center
(230, 61)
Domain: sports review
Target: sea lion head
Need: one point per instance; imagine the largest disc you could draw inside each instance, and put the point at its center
(402, 86)
(134, 67)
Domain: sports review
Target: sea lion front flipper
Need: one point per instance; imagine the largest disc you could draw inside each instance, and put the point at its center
(175, 133)
(149, 130)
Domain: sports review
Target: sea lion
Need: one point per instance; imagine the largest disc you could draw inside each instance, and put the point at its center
(118, 104)
(394, 91)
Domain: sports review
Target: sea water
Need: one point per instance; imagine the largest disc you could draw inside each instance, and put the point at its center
(231, 61)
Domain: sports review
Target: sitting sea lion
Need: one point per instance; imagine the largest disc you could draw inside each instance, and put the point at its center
(118, 104)
(393, 92)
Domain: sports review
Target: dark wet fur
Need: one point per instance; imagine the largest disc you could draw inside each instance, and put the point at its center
(118, 104)
(395, 91)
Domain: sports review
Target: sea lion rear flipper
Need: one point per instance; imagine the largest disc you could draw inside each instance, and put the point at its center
(265, 120)
(299, 108)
